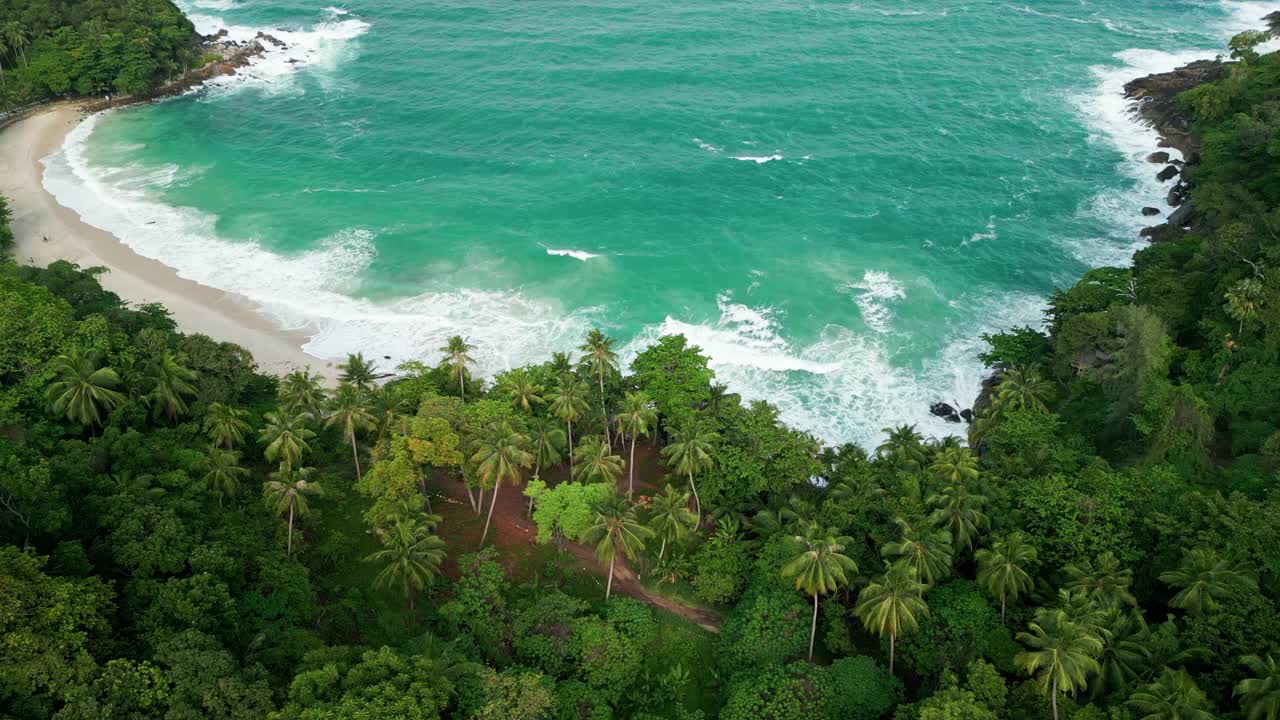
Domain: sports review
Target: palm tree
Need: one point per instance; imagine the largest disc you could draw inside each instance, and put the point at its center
(1260, 693)
(413, 556)
(302, 392)
(959, 512)
(456, 358)
(1173, 696)
(226, 425)
(1126, 652)
(1244, 301)
(546, 440)
(385, 406)
(670, 517)
(84, 388)
(1102, 579)
(170, 383)
(524, 392)
(285, 435)
(819, 567)
(892, 605)
(638, 418)
(1003, 568)
(289, 493)
(567, 404)
(16, 38)
(561, 364)
(595, 462)
(1023, 388)
(4, 48)
(1205, 578)
(500, 458)
(615, 529)
(358, 372)
(601, 360)
(222, 471)
(955, 466)
(350, 412)
(926, 551)
(1062, 655)
(689, 453)
(903, 447)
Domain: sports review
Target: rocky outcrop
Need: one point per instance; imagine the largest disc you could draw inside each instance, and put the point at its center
(945, 411)
(1150, 211)
(234, 56)
(1156, 97)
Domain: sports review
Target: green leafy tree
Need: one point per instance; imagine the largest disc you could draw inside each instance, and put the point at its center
(222, 471)
(1002, 570)
(690, 453)
(1102, 579)
(892, 605)
(1244, 302)
(1023, 389)
(358, 372)
(927, 551)
(285, 436)
(616, 529)
(1062, 654)
(411, 556)
(1173, 696)
(862, 690)
(599, 357)
(1204, 579)
(83, 389)
(595, 462)
(566, 402)
(637, 418)
(676, 375)
(670, 517)
(820, 567)
(226, 425)
(349, 412)
(502, 454)
(456, 359)
(1260, 692)
(288, 494)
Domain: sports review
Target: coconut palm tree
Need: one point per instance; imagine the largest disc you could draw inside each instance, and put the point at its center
(16, 38)
(456, 359)
(349, 411)
(638, 417)
(566, 403)
(927, 551)
(1173, 696)
(358, 372)
(600, 358)
(689, 453)
(302, 392)
(561, 364)
(500, 457)
(4, 48)
(546, 441)
(1260, 693)
(959, 512)
(169, 384)
(1126, 652)
(222, 471)
(1244, 301)
(595, 462)
(1102, 579)
(819, 567)
(1205, 578)
(83, 389)
(904, 447)
(892, 605)
(1023, 388)
(955, 466)
(1003, 568)
(385, 406)
(670, 517)
(615, 530)
(524, 392)
(1062, 654)
(412, 557)
(285, 435)
(288, 493)
(226, 425)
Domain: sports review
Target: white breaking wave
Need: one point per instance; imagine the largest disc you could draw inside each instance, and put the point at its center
(707, 146)
(758, 160)
(313, 291)
(874, 293)
(582, 255)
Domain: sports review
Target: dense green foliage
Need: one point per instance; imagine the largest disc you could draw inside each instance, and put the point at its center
(184, 537)
(90, 47)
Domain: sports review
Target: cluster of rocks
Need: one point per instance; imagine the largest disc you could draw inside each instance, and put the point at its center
(948, 412)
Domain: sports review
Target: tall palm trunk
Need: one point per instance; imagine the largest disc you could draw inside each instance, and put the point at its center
(608, 588)
(697, 502)
(480, 505)
(462, 387)
(631, 468)
(570, 423)
(1054, 699)
(1002, 599)
(355, 455)
(290, 545)
(604, 411)
(471, 498)
(662, 549)
(492, 502)
(813, 629)
(892, 638)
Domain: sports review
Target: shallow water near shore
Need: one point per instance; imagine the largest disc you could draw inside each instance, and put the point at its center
(833, 200)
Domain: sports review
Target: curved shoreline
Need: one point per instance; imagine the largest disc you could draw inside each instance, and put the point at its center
(196, 308)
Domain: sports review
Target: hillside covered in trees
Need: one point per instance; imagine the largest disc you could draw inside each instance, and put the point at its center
(184, 537)
(90, 47)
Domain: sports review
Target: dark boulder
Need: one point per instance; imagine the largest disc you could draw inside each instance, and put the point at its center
(1183, 216)
(945, 411)
(1177, 194)
(967, 414)
(1163, 233)
(1168, 173)
(1149, 211)
(1159, 158)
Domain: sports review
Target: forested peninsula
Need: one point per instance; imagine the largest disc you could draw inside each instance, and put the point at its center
(186, 537)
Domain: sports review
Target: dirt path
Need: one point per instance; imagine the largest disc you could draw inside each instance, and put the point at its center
(511, 526)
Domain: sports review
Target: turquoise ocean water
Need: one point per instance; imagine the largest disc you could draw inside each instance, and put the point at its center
(833, 199)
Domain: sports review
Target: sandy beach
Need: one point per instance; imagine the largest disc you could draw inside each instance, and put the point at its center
(195, 307)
